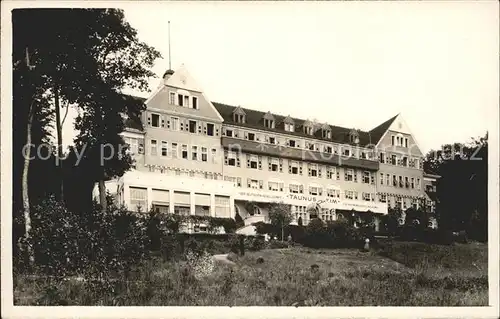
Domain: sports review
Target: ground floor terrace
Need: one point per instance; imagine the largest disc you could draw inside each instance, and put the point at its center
(184, 195)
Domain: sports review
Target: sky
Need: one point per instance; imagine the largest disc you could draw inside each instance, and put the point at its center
(352, 64)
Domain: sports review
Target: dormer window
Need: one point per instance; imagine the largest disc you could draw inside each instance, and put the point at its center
(269, 123)
(239, 115)
(239, 118)
(308, 130)
(327, 133)
(354, 137)
(269, 120)
(289, 124)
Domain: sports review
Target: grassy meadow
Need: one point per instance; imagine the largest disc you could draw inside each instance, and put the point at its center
(398, 274)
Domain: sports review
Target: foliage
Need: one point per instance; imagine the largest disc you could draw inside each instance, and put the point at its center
(238, 221)
(285, 279)
(391, 221)
(462, 189)
(280, 216)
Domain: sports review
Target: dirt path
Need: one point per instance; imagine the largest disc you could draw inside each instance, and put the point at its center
(223, 259)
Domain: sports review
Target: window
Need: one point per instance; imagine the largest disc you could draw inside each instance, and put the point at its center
(133, 144)
(400, 181)
(388, 180)
(272, 140)
(163, 148)
(138, 198)
(184, 151)
(394, 180)
(407, 182)
(392, 140)
(367, 197)
(273, 164)
(327, 134)
(180, 100)
(333, 193)
(291, 143)
(269, 123)
(351, 195)
(381, 158)
(210, 129)
(328, 149)
(331, 173)
(366, 177)
(203, 154)
(192, 126)
(253, 183)
(404, 161)
(296, 188)
(406, 142)
(289, 127)
(349, 175)
(171, 98)
(346, 152)
(314, 190)
(418, 183)
(293, 167)
(381, 178)
(251, 136)
(195, 102)
(412, 185)
(313, 170)
(154, 147)
(186, 101)
(194, 153)
(155, 120)
(239, 118)
(175, 123)
(174, 150)
(308, 130)
(275, 186)
(231, 159)
(382, 198)
(229, 133)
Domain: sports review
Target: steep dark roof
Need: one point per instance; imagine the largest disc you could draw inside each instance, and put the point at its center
(378, 132)
(254, 119)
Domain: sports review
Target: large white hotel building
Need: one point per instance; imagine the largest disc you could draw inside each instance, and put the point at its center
(198, 157)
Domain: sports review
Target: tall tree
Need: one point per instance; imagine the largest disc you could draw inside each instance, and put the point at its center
(462, 190)
(118, 61)
(280, 216)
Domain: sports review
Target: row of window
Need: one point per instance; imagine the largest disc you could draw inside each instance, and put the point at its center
(399, 140)
(344, 150)
(309, 129)
(400, 160)
(399, 181)
(176, 150)
(181, 124)
(183, 100)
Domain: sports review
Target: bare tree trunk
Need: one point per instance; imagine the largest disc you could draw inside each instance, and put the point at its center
(102, 195)
(59, 141)
(25, 193)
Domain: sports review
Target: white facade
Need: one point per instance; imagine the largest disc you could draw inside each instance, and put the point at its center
(183, 164)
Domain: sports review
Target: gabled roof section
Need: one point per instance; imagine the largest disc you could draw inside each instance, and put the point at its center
(379, 131)
(325, 126)
(288, 120)
(238, 110)
(268, 116)
(183, 80)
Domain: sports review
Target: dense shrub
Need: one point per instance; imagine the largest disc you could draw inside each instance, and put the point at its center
(276, 244)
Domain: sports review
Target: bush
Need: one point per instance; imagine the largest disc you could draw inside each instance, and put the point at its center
(275, 244)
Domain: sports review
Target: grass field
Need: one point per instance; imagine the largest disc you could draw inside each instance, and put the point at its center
(401, 274)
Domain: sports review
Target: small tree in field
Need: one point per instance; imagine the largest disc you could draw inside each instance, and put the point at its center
(280, 216)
